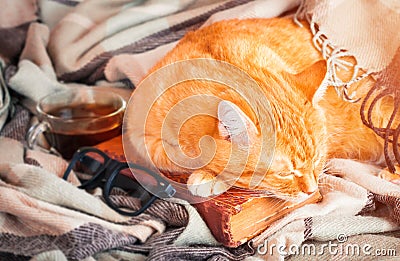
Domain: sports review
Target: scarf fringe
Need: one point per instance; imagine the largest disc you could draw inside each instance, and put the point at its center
(335, 58)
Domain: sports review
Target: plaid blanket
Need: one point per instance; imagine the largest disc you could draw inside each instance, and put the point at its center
(44, 217)
(50, 45)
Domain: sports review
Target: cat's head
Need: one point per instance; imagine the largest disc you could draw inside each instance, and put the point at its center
(298, 155)
(300, 140)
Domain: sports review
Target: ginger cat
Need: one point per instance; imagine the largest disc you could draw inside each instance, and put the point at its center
(280, 56)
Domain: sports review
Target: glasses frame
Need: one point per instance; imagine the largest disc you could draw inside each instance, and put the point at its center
(109, 171)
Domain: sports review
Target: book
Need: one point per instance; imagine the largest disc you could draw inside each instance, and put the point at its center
(233, 217)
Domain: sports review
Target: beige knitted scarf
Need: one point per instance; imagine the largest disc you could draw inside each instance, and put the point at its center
(369, 32)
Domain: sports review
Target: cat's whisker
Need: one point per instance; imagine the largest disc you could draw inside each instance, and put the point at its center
(329, 170)
(255, 196)
(326, 169)
(261, 193)
(325, 186)
(255, 192)
(335, 173)
(252, 190)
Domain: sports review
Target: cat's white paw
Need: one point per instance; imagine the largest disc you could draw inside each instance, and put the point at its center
(203, 184)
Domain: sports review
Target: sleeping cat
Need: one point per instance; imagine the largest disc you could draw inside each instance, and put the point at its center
(280, 56)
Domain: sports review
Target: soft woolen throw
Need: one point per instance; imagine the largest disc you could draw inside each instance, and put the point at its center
(46, 46)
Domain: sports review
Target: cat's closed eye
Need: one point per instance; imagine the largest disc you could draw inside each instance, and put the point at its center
(294, 173)
(286, 174)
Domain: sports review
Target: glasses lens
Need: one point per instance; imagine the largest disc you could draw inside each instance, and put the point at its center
(89, 166)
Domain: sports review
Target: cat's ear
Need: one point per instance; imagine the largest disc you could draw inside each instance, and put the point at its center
(235, 125)
(311, 78)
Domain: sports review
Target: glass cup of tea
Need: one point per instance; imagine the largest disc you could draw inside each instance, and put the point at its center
(77, 117)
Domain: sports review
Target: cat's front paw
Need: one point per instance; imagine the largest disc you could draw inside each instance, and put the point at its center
(203, 184)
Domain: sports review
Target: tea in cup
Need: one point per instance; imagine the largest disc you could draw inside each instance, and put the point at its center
(78, 117)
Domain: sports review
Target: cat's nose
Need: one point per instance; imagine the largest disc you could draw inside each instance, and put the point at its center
(309, 192)
(308, 184)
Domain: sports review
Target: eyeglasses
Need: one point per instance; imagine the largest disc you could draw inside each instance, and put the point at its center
(95, 169)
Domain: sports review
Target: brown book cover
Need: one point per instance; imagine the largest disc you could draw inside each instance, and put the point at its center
(233, 217)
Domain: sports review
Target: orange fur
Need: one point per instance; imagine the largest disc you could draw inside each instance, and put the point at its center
(280, 56)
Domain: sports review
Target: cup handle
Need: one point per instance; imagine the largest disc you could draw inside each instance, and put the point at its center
(32, 135)
(34, 131)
